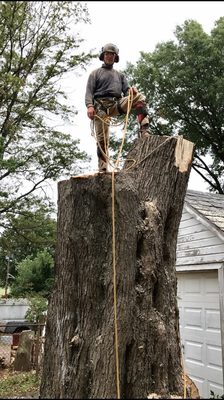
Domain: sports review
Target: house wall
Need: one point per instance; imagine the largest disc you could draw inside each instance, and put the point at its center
(13, 309)
(199, 257)
(198, 245)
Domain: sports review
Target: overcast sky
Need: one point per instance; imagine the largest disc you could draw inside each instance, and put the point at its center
(133, 26)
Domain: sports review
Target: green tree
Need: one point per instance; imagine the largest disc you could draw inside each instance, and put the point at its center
(34, 276)
(183, 81)
(37, 309)
(38, 47)
(26, 235)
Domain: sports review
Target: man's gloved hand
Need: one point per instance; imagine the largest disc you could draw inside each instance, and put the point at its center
(134, 90)
(91, 112)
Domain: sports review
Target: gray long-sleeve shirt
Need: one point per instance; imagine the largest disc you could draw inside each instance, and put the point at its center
(105, 81)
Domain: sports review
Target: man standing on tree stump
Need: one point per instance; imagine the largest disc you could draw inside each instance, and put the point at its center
(107, 95)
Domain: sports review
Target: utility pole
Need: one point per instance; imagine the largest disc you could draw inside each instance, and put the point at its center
(7, 279)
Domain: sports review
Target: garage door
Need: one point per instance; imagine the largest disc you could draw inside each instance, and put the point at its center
(198, 300)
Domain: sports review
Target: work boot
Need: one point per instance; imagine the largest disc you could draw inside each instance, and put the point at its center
(144, 125)
(144, 131)
(102, 165)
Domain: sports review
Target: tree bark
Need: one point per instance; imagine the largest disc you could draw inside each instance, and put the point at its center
(85, 311)
(23, 358)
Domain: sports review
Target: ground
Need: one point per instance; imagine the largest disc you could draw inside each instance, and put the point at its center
(18, 384)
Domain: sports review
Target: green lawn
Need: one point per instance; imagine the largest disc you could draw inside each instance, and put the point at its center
(19, 384)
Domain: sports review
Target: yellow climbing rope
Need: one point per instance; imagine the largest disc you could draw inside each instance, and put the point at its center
(130, 100)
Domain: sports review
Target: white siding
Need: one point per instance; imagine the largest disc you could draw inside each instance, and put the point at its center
(197, 244)
(13, 309)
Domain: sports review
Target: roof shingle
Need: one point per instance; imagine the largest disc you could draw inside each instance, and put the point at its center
(209, 205)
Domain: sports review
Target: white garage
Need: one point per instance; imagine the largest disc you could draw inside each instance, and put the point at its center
(200, 265)
(200, 330)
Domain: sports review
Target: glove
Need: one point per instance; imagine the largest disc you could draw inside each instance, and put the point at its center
(134, 90)
(91, 112)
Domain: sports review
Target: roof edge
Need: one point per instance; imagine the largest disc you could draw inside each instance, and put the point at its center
(201, 218)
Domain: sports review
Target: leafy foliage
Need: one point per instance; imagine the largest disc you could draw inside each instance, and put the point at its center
(34, 276)
(26, 235)
(38, 47)
(215, 396)
(184, 86)
(37, 309)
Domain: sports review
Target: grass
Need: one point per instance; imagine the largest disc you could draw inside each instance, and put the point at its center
(19, 384)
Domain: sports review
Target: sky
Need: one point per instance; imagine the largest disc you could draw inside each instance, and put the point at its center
(134, 26)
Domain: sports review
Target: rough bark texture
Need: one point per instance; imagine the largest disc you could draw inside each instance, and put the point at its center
(79, 359)
(23, 356)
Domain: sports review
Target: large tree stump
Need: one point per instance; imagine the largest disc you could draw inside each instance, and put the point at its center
(80, 349)
(23, 358)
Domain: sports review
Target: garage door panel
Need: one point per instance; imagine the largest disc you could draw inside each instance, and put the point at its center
(194, 368)
(214, 374)
(213, 337)
(193, 317)
(210, 285)
(194, 351)
(212, 319)
(192, 287)
(208, 374)
(198, 300)
(199, 336)
(214, 356)
(215, 388)
(193, 335)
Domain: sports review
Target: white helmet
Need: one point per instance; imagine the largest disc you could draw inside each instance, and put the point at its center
(110, 48)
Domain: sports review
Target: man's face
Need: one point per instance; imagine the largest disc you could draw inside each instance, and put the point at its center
(109, 57)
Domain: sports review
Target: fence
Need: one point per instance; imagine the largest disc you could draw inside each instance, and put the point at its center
(10, 342)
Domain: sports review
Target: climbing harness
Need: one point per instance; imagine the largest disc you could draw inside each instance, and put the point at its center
(109, 121)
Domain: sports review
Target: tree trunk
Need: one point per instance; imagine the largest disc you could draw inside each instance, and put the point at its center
(23, 358)
(84, 358)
